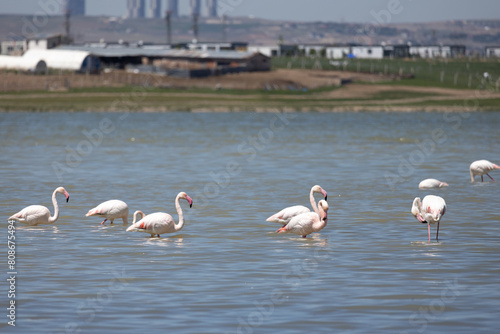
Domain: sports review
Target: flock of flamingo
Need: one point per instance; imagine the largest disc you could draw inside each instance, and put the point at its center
(296, 219)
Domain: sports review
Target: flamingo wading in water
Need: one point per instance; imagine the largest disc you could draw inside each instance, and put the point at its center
(38, 214)
(481, 167)
(284, 216)
(309, 222)
(429, 211)
(432, 183)
(111, 210)
(160, 222)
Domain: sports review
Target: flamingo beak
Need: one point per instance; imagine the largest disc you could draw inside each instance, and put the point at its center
(325, 194)
(190, 201)
(67, 196)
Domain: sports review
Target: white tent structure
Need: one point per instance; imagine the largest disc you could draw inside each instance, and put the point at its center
(38, 61)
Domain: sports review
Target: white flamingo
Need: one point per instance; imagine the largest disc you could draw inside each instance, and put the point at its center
(111, 210)
(308, 222)
(284, 216)
(432, 183)
(429, 211)
(38, 214)
(160, 222)
(138, 212)
(481, 167)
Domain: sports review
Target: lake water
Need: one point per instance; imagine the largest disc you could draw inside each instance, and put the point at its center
(370, 270)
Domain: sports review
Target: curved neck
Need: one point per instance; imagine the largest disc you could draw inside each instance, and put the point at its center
(180, 225)
(471, 177)
(313, 202)
(323, 219)
(56, 208)
(135, 215)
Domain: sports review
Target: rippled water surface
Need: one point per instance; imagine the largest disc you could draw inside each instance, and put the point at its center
(370, 270)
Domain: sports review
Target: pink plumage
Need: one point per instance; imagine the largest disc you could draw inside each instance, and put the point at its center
(429, 211)
(284, 216)
(481, 167)
(307, 223)
(161, 222)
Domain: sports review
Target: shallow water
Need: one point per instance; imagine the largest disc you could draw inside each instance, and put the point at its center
(369, 270)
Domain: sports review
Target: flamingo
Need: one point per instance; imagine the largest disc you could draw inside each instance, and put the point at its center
(111, 210)
(38, 214)
(429, 211)
(308, 222)
(284, 216)
(432, 183)
(138, 212)
(160, 222)
(481, 167)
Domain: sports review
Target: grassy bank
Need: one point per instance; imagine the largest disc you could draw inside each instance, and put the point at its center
(365, 92)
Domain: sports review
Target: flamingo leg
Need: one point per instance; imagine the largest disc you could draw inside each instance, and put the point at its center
(437, 234)
(429, 230)
(158, 235)
(491, 177)
(481, 178)
(104, 221)
(304, 236)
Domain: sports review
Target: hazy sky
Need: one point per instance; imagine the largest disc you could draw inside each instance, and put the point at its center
(386, 11)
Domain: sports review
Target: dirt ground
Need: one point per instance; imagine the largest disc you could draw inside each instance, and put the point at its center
(353, 94)
(281, 79)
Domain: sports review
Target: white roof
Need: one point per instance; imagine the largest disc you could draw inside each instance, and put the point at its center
(58, 59)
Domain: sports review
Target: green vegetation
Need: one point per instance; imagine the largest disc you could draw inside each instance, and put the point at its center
(446, 73)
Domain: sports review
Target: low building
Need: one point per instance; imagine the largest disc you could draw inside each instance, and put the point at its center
(438, 51)
(162, 56)
(275, 50)
(39, 61)
(39, 42)
(218, 46)
(492, 52)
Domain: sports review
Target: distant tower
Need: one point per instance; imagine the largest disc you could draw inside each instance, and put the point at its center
(173, 8)
(212, 8)
(74, 7)
(136, 8)
(195, 7)
(156, 9)
(195, 14)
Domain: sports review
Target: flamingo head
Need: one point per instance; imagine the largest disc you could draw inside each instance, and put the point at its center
(61, 190)
(443, 184)
(185, 196)
(323, 209)
(318, 189)
(415, 209)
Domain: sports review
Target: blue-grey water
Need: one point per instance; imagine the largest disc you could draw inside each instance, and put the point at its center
(370, 270)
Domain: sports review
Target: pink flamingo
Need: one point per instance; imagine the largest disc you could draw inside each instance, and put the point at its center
(138, 212)
(284, 216)
(111, 210)
(432, 183)
(307, 223)
(429, 211)
(38, 214)
(481, 167)
(160, 222)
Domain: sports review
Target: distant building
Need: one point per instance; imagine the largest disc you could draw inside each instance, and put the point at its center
(492, 52)
(438, 51)
(195, 7)
(155, 9)
(218, 46)
(212, 8)
(136, 9)
(275, 50)
(173, 7)
(38, 42)
(75, 7)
